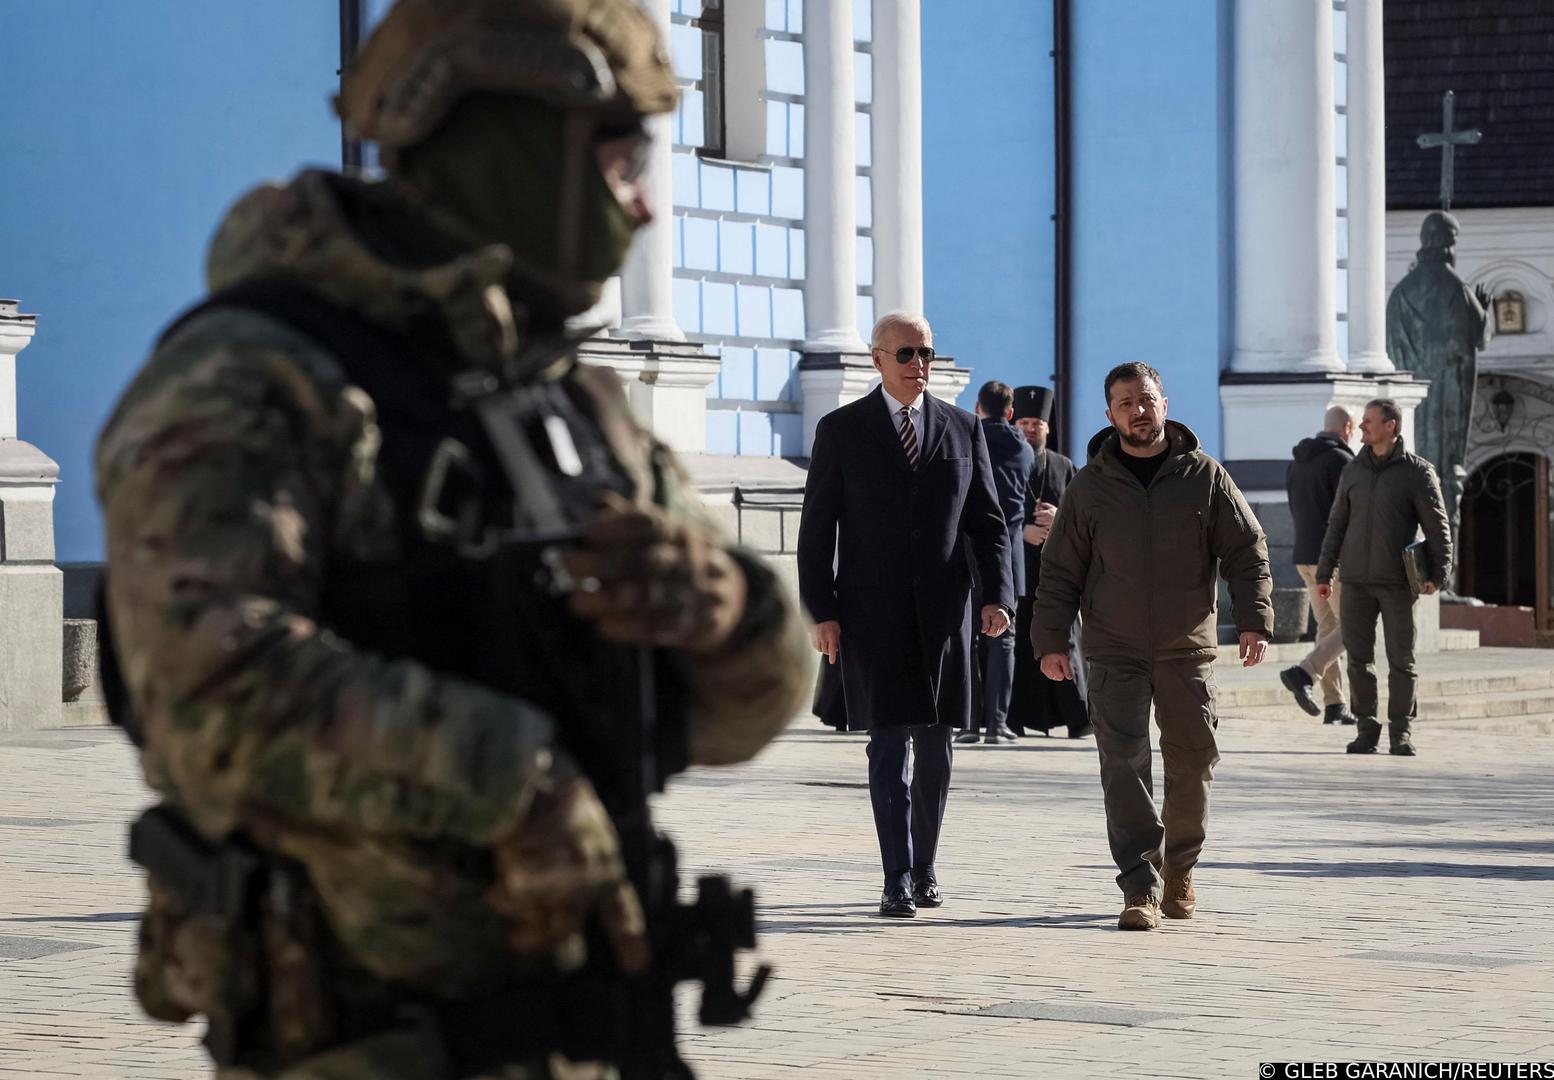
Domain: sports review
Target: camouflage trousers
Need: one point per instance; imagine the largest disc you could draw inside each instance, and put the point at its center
(414, 1052)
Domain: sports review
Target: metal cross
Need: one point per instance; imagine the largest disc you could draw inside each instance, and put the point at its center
(1448, 140)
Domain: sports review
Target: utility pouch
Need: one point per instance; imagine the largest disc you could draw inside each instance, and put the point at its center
(301, 1010)
(199, 946)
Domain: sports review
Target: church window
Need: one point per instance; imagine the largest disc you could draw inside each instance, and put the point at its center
(711, 84)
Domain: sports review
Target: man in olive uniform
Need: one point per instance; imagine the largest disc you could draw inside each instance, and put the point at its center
(1134, 548)
(1386, 495)
(374, 537)
(1039, 703)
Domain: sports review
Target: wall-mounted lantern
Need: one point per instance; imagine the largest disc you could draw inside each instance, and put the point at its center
(1501, 406)
(1510, 313)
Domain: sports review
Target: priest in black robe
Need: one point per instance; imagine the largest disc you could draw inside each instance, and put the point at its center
(1039, 703)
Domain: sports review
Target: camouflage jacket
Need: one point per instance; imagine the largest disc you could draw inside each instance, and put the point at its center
(237, 464)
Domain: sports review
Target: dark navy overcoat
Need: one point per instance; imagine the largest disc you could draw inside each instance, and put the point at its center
(886, 550)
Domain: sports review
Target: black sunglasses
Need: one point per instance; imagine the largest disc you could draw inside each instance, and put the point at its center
(906, 352)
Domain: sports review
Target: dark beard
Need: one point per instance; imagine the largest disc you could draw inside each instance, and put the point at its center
(1143, 442)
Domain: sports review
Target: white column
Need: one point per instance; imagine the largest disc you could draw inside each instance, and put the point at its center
(898, 156)
(1285, 248)
(830, 173)
(1367, 191)
(31, 586)
(647, 279)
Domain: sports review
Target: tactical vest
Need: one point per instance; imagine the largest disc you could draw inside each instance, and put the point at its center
(489, 484)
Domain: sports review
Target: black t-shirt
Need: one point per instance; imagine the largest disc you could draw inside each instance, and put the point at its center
(1144, 468)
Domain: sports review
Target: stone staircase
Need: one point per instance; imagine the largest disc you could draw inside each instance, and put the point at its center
(1461, 687)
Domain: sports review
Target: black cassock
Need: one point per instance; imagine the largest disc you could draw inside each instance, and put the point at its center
(1038, 703)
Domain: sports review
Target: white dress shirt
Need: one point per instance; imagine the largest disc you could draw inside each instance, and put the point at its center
(916, 412)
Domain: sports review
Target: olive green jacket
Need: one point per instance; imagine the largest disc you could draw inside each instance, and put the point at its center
(1139, 564)
(239, 463)
(1381, 505)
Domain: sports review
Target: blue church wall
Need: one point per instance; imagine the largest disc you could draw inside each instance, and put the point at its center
(988, 188)
(738, 233)
(128, 129)
(1152, 194)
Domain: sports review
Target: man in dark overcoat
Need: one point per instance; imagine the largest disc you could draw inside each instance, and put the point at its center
(899, 485)
(1039, 703)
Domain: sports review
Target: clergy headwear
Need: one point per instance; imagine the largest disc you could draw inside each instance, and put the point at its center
(1033, 402)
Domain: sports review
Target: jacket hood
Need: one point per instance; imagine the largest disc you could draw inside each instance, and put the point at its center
(1179, 435)
(316, 228)
(1319, 444)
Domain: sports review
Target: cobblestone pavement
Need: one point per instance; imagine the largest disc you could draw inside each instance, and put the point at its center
(1349, 908)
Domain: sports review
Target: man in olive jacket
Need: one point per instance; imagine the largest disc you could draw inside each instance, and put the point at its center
(1133, 550)
(1385, 496)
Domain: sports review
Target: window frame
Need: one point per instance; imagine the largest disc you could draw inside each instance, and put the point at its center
(713, 83)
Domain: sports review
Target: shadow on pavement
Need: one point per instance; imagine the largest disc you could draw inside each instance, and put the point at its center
(854, 921)
(103, 916)
(1399, 869)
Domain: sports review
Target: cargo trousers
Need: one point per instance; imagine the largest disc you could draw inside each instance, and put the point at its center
(1362, 603)
(1148, 845)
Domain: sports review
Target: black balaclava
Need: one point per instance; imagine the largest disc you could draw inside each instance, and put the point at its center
(524, 174)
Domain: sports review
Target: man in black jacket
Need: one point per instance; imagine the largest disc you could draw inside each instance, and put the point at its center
(1012, 460)
(1311, 482)
(1384, 497)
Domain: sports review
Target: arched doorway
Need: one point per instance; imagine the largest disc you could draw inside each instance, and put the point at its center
(1505, 534)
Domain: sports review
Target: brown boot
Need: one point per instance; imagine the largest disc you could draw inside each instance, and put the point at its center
(1180, 901)
(1142, 913)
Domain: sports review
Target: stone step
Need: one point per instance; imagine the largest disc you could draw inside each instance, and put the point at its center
(1236, 694)
(1489, 706)
(1519, 724)
(1293, 652)
(1468, 708)
(84, 712)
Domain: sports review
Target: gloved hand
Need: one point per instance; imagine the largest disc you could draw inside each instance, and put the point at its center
(644, 578)
(561, 867)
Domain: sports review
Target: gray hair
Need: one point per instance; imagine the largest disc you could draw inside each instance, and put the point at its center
(892, 319)
(1336, 419)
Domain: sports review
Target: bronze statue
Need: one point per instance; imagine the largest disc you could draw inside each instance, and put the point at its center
(1435, 326)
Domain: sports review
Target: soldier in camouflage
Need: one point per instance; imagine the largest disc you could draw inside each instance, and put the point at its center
(426, 835)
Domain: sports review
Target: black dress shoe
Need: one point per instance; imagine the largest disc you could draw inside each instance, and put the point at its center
(1297, 682)
(1082, 732)
(897, 903)
(1338, 714)
(925, 889)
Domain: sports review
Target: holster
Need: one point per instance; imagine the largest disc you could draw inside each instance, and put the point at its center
(234, 935)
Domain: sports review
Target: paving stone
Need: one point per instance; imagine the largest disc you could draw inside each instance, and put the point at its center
(1376, 908)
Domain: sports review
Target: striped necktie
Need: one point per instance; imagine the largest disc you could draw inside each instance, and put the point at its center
(908, 436)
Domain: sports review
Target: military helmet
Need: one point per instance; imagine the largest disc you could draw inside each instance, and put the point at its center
(426, 55)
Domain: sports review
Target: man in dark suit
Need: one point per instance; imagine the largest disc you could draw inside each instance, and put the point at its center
(1012, 460)
(898, 483)
(1039, 703)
